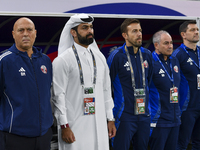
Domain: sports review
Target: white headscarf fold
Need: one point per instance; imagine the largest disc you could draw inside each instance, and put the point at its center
(66, 39)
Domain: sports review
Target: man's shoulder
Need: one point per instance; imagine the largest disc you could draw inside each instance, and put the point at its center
(66, 56)
(146, 53)
(177, 51)
(115, 53)
(114, 56)
(173, 57)
(145, 50)
(174, 60)
(7, 54)
(46, 57)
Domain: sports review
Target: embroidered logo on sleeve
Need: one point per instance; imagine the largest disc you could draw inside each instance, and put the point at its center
(22, 71)
(44, 69)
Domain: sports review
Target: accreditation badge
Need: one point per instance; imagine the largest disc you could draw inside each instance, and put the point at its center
(198, 81)
(139, 95)
(174, 95)
(89, 101)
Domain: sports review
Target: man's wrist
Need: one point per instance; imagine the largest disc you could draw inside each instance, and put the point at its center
(64, 126)
(112, 119)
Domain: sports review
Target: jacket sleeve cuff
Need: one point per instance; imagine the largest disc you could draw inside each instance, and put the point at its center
(62, 120)
(109, 114)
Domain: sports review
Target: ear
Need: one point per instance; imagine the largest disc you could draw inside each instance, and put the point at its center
(157, 49)
(35, 33)
(73, 33)
(183, 35)
(124, 35)
(13, 34)
(156, 45)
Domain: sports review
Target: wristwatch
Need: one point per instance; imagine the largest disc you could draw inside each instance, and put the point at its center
(113, 119)
(64, 126)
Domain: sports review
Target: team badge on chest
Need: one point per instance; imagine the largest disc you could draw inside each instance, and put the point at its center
(43, 69)
(146, 65)
(176, 69)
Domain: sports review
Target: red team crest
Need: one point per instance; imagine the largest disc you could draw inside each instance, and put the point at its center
(146, 65)
(176, 69)
(44, 69)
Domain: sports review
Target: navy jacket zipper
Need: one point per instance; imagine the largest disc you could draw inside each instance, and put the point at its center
(38, 96)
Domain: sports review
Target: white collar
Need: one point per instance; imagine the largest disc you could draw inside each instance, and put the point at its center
(82, 50)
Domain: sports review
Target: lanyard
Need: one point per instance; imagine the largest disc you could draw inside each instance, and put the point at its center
(80, 67)
(184, 48)
(171, 78)
(131, 67)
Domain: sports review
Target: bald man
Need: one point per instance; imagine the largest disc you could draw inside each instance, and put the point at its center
(25, 82)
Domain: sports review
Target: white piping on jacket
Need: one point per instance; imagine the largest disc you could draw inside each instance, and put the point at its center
(11, 120)
(5, 54)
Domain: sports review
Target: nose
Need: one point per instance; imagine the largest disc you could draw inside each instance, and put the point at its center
(171, 46)
(90, 30)
(139, 34)
(25, 32)
(197, 31)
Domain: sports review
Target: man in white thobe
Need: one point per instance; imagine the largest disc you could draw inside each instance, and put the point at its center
(81, 89)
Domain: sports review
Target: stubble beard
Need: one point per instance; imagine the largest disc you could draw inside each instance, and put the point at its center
(193, 40)
(136, 44)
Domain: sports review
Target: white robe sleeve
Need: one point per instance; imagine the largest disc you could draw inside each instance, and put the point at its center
(109, 104)
(107, 94)
(60, 81)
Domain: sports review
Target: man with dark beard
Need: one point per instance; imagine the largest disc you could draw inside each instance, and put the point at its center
(130, 72)
(189, 58)
(81, 89)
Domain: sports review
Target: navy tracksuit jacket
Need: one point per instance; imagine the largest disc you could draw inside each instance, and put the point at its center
(164, 115)
(189, 97)
(123, 91)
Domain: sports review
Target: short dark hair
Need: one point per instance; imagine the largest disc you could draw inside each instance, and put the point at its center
(126, 23)
(184, 26)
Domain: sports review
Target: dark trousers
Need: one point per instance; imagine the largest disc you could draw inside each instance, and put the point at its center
(189, 128)
(14, 142)
(164, 138)
(136, 132)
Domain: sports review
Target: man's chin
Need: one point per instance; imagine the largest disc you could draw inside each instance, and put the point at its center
(138, 45)
(90, 41)
(196, 41)
(26, 47)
